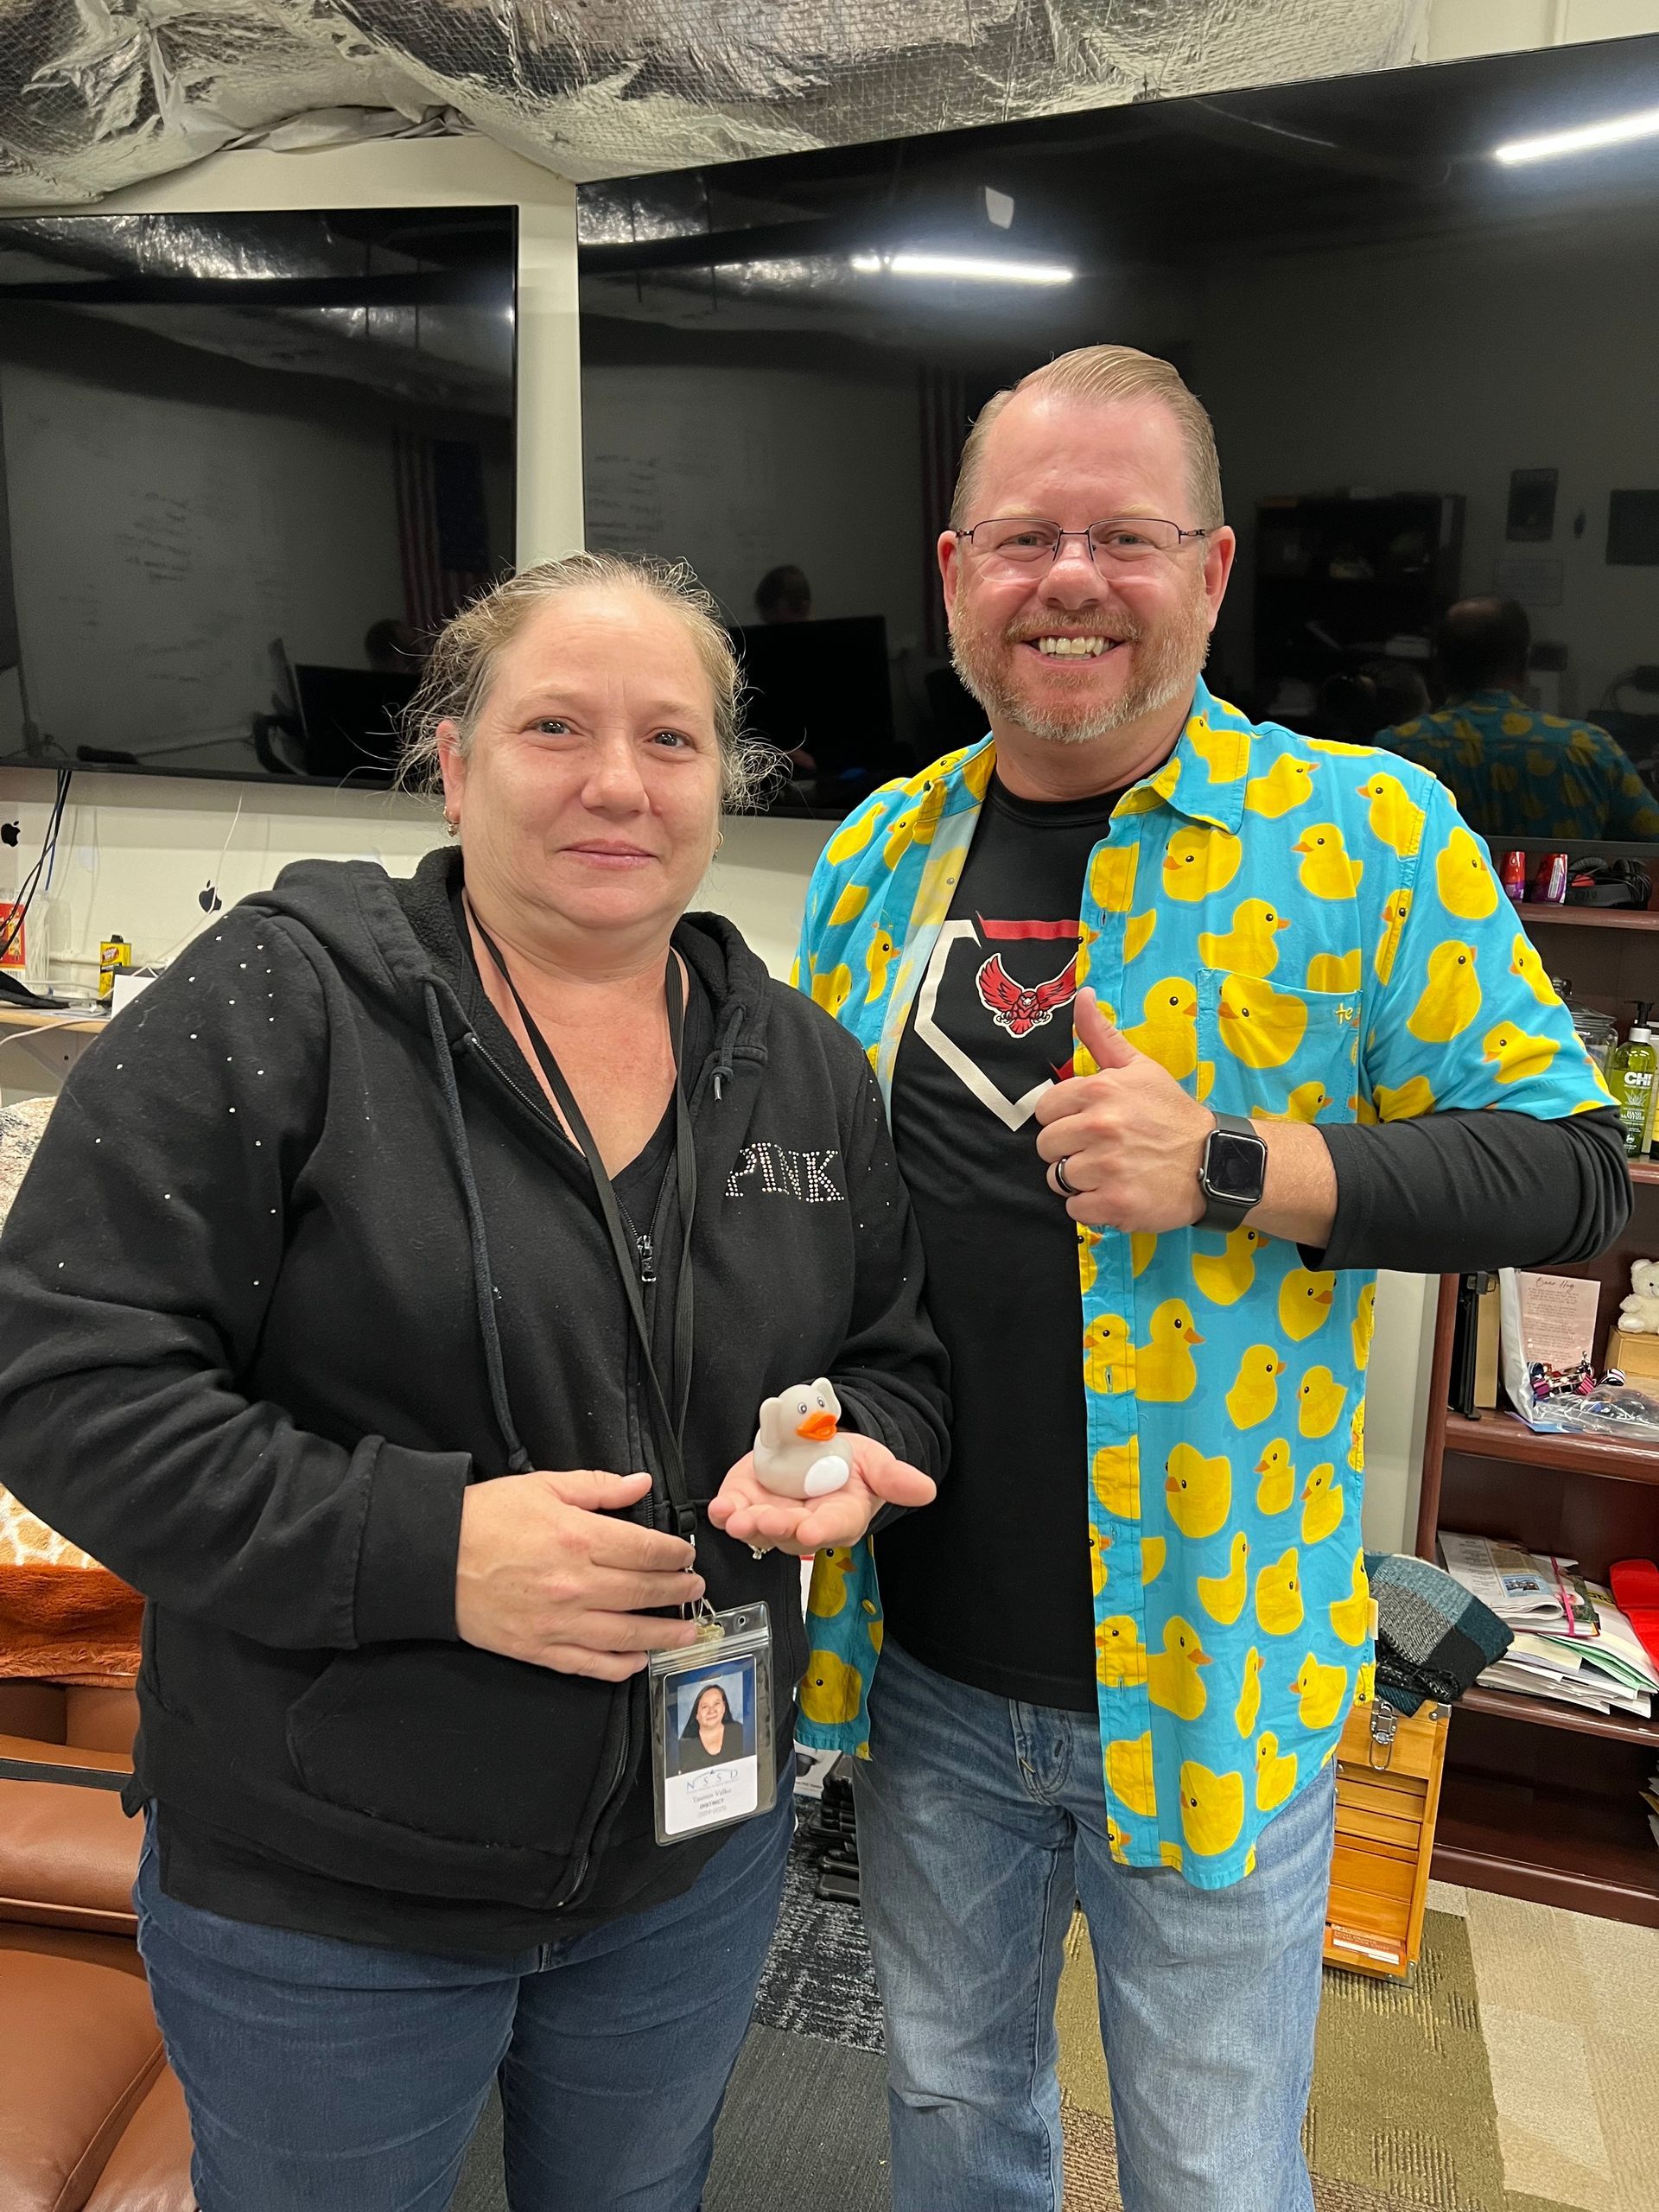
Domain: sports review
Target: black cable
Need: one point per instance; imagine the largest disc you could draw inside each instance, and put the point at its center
(12, 928)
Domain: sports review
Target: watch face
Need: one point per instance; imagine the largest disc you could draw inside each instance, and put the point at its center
(1234, 1166)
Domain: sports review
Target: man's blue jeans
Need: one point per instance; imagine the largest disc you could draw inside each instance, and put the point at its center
(326, 2076)
(980, 1821)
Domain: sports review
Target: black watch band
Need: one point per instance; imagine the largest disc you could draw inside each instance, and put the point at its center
(1232, 1172)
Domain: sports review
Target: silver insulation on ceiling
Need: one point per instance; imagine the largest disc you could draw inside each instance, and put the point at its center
(95, 94)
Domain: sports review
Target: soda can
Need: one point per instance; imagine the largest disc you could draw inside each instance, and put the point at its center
(1514, 874)
(1550, 883)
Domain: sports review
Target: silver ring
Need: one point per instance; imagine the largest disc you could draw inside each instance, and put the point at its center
(1064, 1180)
(759, 1551)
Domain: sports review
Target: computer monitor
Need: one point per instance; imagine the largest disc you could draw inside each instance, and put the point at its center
(823, 687)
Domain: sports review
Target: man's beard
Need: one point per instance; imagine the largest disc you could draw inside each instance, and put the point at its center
(1168, 658)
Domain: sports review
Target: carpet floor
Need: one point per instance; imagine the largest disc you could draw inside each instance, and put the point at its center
(1517, 2072)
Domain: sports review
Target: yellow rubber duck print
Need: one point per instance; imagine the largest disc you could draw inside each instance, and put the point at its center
(1137, 934)
(1364, 1326)
(1222, 1596)
(830, 1690)
(1275, 1772)
(1395, 907)
(850, 904)
(877, 959)
(1199, 862)
(1172, 1677)
(1322, 1506)
(1246, 1711)
(831, 991)
(1327, 872)
(1276, 1492)
(1335, 971)
(1165, 1371)
(1199, 1491)
(1247, 946)
(1451, 998)
(1116, 1476)
(1405, 1101)
(1287, 785)
(830, 1571)
(1356, 1437)
(1108, 1355)
(1143, 1242)
(874, 1628)
(1168, 1029)
(1320, 1402)
(1224, 1276)
(1224, 753)
(1111, 877)
(1305, 1300)
(1259, 1026)
(1514, 1054)
(1255, 1386)
(1364, 1686)
(1350, 1617)
(1279, 1596)
(1087, 1266)
(1099, 1573)
(1128, 1774)
(1321, 1690)
(852, 837)
(1154, 1552)
(1396, 820)
(1305, 1104)
(1464, 878)
(1120, 1657)
(1213, 1809)
(1525, 964)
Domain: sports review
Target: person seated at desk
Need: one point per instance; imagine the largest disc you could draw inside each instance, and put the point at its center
(1512, 770)
(784, 595)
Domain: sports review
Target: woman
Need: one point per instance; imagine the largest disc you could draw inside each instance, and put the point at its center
(710, 1737)
(314, 1329)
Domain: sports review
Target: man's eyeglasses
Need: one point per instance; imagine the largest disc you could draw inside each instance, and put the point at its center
(1122, 542)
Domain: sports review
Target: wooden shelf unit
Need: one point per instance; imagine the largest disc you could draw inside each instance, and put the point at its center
(74, 1025)
(1540, 1799)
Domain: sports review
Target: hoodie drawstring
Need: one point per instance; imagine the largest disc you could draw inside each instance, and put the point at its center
(483, 1276)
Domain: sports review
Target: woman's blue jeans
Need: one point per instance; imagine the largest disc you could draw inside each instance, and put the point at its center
(327, 2076)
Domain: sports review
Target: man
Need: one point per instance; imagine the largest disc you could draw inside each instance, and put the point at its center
(1119, 1650)
(783, 594)
(1512, 772)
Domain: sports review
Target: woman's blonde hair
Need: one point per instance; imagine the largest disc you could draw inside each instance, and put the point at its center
(462, 664)
(1104, 373)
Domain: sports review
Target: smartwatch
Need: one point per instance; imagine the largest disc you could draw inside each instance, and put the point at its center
(1232, 1172)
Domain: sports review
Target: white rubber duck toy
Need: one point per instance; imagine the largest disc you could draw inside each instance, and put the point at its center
(790, 1458)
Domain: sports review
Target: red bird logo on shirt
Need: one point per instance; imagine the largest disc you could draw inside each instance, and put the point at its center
(1016, 1009)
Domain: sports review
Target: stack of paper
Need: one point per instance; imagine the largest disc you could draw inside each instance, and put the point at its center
(1571, 1642)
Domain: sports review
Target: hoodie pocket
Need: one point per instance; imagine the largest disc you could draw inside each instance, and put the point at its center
(460, 1744)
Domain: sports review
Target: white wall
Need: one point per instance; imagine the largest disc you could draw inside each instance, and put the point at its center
(738, 470)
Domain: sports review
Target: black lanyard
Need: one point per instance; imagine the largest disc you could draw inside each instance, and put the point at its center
(671, 1426)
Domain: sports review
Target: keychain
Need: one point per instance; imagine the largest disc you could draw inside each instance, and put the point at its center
(711, 1743)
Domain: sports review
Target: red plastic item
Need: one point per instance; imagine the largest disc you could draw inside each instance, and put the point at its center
(1514, 874)
(1549, 880)
(1635, 1585)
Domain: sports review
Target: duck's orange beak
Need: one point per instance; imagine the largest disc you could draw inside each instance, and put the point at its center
(1199, 1658)
(817, 1429)
(1323, 1298)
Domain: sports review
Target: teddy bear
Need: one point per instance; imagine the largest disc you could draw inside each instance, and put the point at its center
(1639, 1315)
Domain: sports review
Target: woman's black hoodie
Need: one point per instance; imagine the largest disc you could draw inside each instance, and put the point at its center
(301, 1254)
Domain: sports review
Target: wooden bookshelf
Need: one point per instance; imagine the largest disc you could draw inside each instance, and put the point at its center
(1544, 916)
(27, 1017)
(1541, 1799)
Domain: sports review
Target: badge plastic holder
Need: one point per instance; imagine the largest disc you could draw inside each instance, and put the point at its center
(713, 1766)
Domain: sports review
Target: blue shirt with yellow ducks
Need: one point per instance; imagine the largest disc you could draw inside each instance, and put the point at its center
(1517, 772)
(1295, 929)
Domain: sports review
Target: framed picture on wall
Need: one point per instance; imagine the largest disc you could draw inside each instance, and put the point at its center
(1532, 506)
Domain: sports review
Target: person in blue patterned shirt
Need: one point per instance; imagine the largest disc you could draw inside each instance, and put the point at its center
(1186, 1025)
(1515, 772)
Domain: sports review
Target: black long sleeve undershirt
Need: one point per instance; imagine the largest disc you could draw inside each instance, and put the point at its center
(1451, 1191)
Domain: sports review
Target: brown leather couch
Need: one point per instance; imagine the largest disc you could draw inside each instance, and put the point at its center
(91, 2119)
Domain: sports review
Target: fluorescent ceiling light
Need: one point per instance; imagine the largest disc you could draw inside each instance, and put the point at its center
(1619, 132)
(967, 267)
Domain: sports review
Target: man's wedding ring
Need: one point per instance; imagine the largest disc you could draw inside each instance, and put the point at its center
(1064, 1180)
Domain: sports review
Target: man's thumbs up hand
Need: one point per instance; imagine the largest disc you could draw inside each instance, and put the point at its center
(1128, 1139)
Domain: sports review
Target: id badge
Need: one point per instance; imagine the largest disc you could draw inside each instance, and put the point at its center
(711, 1741)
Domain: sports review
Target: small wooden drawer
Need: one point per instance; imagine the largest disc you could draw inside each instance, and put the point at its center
(1387, 1792)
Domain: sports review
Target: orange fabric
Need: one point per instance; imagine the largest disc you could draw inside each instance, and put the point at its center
(63, 1617)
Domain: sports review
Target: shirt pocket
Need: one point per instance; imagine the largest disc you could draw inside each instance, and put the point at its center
(1277, 1053)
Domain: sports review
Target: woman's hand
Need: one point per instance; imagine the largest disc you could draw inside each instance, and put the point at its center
(544, 1574)
(748, 1511)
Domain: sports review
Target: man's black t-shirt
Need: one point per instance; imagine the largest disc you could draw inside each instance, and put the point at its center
(991, 1585)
